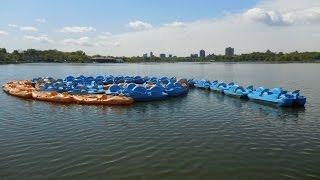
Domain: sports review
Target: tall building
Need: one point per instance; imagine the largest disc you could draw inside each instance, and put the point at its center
(145, 55)
(202, 53)
(151, 54)
(162, 55)
(229, 51)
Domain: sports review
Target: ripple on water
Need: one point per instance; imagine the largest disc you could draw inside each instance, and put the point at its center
(201, 135)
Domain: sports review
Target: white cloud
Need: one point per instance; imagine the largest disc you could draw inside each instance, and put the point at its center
(278, 25)
(309, 15)
(273, 17)
(176, 24)
(13, 25)
(77, 29)
(28, 28)
(3, 33)
(267, 17)
(104, 36)
(24, 28)
(83, 41)
(116, 44)
(106, 33)
(139, 25)
(41, 20)
(42, 38)
(269, 25)
(285, 12)
(287, 5)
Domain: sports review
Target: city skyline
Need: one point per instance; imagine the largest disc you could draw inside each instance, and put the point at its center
(248, 26)
(202, 54)
(229, 51)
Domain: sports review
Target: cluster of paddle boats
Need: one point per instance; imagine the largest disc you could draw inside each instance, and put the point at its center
(277, 96)
(106, 90)
(124, 90)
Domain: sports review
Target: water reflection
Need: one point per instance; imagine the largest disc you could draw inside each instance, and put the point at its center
(277, 112)
(192, 135)
(263, 108)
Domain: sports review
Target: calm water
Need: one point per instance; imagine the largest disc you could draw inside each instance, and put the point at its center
(202, 135)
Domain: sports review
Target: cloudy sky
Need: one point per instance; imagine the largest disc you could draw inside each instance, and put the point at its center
(133, 27)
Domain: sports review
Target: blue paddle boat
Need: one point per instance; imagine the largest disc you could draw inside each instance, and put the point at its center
(140, 93)
(191, 82)
(114, 89)
(99, 80)
(223, 86)
(203, 84)
(238, 91)
(128, 79)
(119, 79)
(175, 89)
(265, 95)
(153, 80)
(35, 80)
(138, 80)
(214, 86)
(298, 100)
(108, 80)
(96, 89)
(164, 80)
(128, 89)
(79, 89)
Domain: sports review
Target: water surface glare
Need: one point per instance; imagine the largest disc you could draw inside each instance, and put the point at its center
(202, 135)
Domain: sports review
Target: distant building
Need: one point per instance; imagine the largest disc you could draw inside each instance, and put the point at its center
(229, 51)
(194, 55)
(119, 61)
(162, 55)
(105, 59)
(151, 54)
(170, 56)
(145, 55)
(202, 53)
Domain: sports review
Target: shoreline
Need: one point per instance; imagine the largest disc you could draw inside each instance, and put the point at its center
(157, 62)
(55, 56)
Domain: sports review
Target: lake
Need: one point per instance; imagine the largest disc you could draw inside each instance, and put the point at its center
(203, 135)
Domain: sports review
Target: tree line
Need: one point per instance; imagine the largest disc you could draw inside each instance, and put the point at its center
(250, 57)
(34, 56)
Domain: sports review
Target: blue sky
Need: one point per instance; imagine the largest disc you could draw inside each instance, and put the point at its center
(112, 15)
(179, 27)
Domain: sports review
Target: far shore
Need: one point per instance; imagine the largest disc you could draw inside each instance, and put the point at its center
(55, 56)
(157, 62)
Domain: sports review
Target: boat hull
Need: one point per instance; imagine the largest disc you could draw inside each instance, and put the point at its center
(284, 102)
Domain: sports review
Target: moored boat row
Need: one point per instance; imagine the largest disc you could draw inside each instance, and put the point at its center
(124, 90)
(277, 96)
